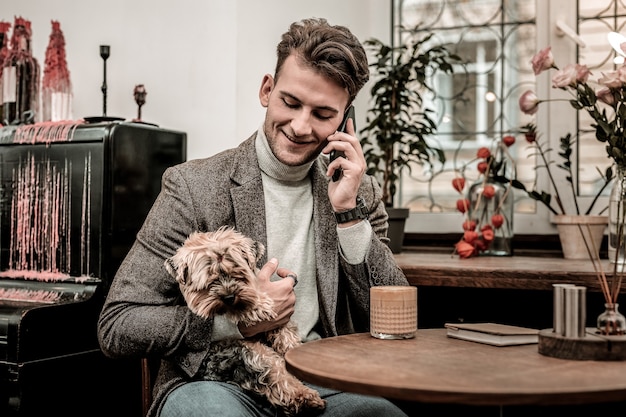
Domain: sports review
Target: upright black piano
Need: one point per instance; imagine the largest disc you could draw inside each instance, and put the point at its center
(72, 198)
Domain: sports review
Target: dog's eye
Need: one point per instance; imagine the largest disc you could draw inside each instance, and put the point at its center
(240, 277)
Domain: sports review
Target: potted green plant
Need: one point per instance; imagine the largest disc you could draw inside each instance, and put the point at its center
(397, 123)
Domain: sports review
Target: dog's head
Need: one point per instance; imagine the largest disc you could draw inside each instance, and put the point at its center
(216, 271)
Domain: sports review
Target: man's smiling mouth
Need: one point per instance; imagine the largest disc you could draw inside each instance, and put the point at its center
(296, 141)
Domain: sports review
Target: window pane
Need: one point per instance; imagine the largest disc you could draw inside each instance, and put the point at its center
(479, 102)
(595, 20)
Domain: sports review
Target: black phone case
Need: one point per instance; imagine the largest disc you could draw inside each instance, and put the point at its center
(342, 128)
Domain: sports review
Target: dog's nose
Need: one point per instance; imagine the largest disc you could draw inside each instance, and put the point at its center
(229, 299)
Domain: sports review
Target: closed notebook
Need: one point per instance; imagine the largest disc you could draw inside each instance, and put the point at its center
(493, 333)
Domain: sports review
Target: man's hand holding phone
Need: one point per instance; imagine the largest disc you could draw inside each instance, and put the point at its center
(334, 154)
(347, 164)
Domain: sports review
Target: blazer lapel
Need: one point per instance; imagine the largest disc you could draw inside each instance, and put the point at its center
(247, 194)
(326, 252)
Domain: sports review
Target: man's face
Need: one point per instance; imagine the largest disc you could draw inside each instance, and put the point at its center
(303, 109)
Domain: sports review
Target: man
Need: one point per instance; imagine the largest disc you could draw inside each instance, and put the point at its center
(275, 188)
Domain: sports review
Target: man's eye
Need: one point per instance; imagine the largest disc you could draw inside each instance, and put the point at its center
(290, 105)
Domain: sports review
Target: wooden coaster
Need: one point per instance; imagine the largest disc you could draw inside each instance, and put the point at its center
(593, 346)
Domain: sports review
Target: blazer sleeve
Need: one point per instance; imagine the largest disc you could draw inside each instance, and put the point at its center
(143, 313)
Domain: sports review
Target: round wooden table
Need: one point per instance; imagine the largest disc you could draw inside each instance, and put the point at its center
(437, 369)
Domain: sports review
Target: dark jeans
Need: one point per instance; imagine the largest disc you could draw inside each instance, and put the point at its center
(210, 398)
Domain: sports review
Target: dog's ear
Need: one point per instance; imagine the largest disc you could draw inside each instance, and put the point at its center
(180, 272)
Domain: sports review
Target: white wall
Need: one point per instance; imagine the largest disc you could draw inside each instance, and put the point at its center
(201, 61)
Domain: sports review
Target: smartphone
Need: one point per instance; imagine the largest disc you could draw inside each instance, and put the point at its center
(342, 128)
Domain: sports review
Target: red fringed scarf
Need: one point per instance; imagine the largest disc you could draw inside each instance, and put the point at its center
(56, 85)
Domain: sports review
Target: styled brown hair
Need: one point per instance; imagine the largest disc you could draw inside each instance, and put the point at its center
(333, 51)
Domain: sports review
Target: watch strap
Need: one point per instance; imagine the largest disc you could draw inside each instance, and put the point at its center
(358, 213)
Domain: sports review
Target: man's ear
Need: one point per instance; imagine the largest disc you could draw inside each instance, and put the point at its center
(267, 86)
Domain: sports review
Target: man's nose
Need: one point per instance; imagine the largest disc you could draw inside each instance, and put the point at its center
(301, 124)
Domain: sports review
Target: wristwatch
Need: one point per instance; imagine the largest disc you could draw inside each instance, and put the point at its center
(357, 213)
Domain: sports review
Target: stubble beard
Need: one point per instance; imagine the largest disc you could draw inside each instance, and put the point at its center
(273, 142)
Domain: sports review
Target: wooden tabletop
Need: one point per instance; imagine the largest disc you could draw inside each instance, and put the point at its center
(511, 272)
(433, 368)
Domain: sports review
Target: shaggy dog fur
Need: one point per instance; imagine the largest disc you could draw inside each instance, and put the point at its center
(216, 272)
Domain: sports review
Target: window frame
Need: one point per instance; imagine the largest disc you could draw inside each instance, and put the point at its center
(549, 119)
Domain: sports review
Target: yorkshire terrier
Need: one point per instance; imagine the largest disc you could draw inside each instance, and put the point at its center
(216, 272)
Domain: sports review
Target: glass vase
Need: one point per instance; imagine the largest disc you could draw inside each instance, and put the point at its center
(617, 214)
(611, 322)
(482, 208)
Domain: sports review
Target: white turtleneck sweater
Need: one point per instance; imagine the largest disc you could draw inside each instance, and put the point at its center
(290, 236)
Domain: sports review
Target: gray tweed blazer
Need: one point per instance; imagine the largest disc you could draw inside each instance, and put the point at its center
(144, 314)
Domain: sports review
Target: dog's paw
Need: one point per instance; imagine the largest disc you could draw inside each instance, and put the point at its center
(257, 315)
(307, 402)
(284, 338)
(314, 401)
(262, 310)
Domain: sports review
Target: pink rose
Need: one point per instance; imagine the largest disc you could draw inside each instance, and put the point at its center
(528, 102)
(606, 96)
(543, 60)
(582, 73)
(610, 80)
(565, 77)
